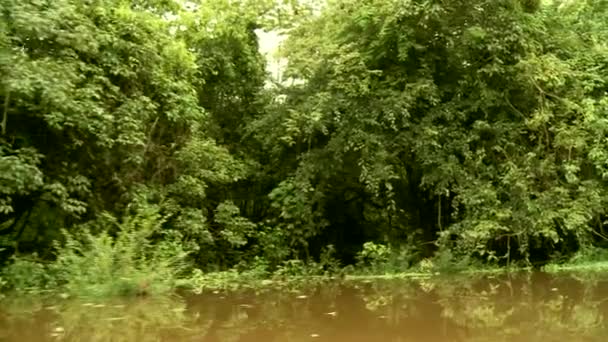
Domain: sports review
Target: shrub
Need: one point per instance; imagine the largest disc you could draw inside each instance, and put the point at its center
(26, 274)
(379, 258)
(589, 259)
(129, 263)
(328, 260)
(373, 255)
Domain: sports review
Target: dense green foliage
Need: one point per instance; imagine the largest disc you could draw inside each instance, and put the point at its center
(477, 125)
(462, 130)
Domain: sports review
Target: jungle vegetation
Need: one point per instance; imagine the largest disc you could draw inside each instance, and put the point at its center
(143, 137)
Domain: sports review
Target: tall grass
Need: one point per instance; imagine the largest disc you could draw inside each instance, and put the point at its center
(128, 257)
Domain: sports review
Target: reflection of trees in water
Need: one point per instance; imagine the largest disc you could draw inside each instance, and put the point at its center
(499, 309)
(532, 307)
(505, 308)
(601, 296)
(139, 319)
(411, 311)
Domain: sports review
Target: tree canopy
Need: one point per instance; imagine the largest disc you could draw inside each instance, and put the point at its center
(470, 128)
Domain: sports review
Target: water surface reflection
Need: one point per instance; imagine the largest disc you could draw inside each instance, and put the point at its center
(529, 307)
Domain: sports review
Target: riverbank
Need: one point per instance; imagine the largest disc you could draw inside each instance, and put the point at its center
(29, 278)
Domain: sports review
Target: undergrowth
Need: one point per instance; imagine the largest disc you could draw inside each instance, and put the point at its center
(129, 257)
(588, 259)
(136, 256)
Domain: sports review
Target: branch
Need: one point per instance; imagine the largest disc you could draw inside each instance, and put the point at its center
(514, 108)
(7, 100)
(600, 235)
(149, 142)
(545, 93)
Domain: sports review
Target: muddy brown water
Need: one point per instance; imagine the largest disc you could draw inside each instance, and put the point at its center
(528, 307)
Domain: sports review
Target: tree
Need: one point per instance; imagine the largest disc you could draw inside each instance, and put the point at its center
(456, 122)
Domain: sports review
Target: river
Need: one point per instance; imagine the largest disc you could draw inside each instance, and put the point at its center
(522, 307)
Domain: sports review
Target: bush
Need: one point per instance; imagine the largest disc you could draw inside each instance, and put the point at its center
(329, 262)
(590, 254)
(246, 276)
(298, 268)
(132, 257)
(128, 263)
(378, 258)
(589, 259)
(373, 255)
(26, 274)
(445, 261)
